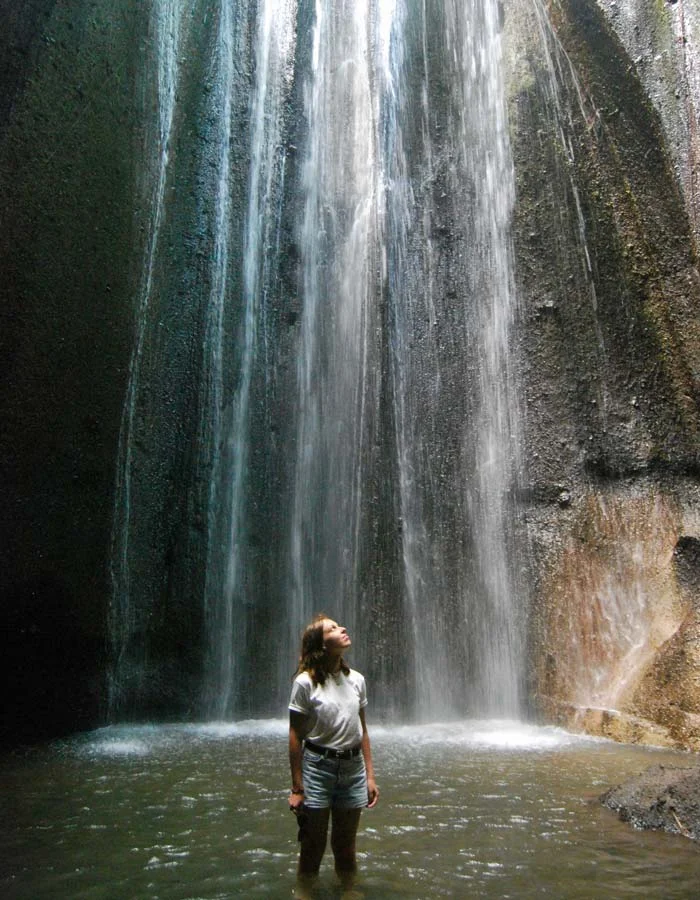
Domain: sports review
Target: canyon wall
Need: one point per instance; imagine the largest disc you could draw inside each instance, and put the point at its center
(603, 104)
(68, 179)
(610, 365)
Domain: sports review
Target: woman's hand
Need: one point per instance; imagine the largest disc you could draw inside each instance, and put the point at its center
(296, 802)
(372, 793)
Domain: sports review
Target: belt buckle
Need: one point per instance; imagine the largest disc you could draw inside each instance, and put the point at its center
(345, 754)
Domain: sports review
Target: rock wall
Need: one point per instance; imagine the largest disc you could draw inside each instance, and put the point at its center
(610, 365)
(662, 41)
(603, 101)
(68, 131)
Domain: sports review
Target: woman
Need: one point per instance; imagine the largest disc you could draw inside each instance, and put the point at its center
(329, 752)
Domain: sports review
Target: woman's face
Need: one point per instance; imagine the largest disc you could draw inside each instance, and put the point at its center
(335, 637)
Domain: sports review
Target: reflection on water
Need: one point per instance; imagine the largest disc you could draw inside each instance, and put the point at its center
(470, 809)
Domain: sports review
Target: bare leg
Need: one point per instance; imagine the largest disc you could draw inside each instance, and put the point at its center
(343, 833)
(313, 845)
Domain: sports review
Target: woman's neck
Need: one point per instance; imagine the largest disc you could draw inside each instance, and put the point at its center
(335, 664)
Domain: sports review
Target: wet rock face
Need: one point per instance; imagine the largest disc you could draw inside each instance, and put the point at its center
(21, 28)
(607, 350)
(610, 599)
(686, 559)
(67, 182)
(661, 40)
(615, 623)
(609, 340)
(662, 797)
(609, 355)
(669, 692)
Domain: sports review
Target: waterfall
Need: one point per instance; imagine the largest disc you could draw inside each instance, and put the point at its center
(218, 614)
(483, 136)
(228, 593)
(336, 370)
(126, 628)
(449, 197)
(356, 425)
(167, 512)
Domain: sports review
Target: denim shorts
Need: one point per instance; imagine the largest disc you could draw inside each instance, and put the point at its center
(339, 783)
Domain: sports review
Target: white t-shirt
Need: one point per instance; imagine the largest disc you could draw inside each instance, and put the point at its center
(333, 707)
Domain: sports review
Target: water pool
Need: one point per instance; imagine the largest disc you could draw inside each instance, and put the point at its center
(469, 809)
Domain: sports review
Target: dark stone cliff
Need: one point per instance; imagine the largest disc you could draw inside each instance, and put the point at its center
(67, 182)
(608, 349)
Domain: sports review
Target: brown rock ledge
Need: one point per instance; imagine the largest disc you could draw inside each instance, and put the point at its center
(662, 797)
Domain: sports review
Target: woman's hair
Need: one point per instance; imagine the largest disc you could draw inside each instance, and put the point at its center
(312, 657)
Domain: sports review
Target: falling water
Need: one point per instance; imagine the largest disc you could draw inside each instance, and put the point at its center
(336, 372)
(379, 192)
(219, 614)
(375, 175)
(486, 156)
(228, 596)
(172, 423)
(450, 197)
(126, 616)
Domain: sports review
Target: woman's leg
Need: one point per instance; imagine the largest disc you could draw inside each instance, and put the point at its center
(343, 834)
(312, 847)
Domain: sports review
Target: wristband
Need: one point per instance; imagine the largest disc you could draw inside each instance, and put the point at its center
(296, 792)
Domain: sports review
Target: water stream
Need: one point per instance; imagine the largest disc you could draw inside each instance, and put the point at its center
(408, 303)
(487, 809)
(349, 294)
(227, 591)
(127, 613)
(449, 195)
(337, 362)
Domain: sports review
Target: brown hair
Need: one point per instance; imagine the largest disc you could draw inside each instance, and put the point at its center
(312, 657)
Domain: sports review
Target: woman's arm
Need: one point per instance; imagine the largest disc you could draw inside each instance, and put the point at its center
(372, 789)
(298, 726)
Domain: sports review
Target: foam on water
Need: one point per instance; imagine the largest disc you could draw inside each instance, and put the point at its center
(120, 748)
(243, 728)
(505, 734)
(495, 734)
(115, 741)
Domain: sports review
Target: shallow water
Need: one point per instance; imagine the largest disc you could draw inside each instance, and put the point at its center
(472, 809)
